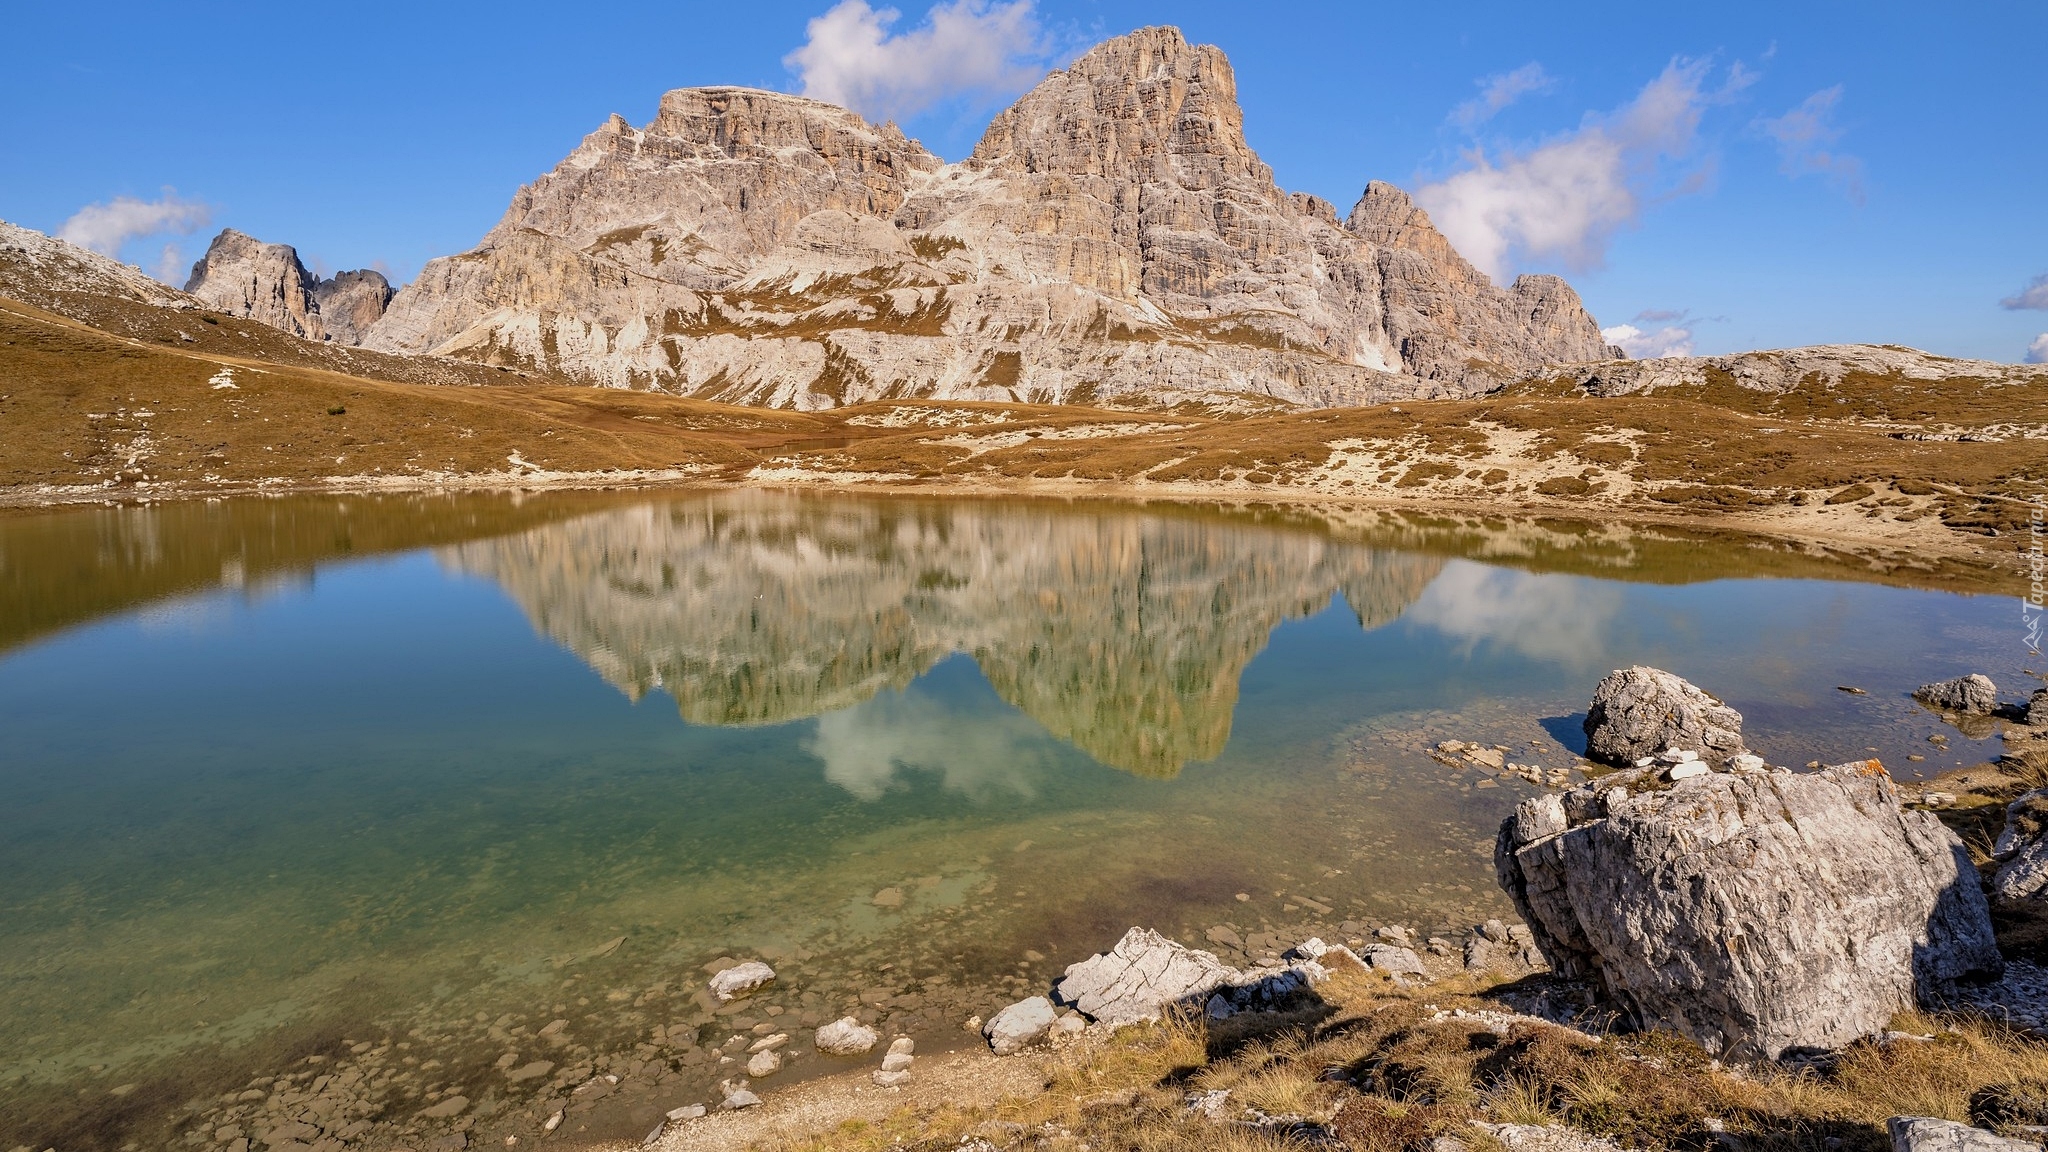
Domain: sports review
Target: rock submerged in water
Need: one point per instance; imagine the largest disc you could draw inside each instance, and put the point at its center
(1640, 711)
(1752, 913)
(741, 980)
(1972, 695)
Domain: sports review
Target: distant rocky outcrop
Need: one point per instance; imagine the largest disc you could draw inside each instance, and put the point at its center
(1786, 369)
(351, 302)
(43, 270)
(1112, 239)
(243, 276)
(1753, 913)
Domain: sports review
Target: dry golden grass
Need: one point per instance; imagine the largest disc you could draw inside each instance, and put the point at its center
(88, 409)
(1378, 1068)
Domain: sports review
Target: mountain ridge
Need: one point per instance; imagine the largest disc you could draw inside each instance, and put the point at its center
(1112, 238)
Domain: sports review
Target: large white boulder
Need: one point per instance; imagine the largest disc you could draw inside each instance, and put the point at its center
(1638, 712)
(1751, 913)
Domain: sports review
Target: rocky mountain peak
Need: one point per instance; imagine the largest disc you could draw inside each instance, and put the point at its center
(243, 276)
(1113, 239)
(1147, 106)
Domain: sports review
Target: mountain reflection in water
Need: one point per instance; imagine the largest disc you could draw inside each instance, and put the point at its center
(1119, 631)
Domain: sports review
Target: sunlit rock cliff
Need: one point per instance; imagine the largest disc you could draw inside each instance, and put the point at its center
(1122, 633)
(1113, 239)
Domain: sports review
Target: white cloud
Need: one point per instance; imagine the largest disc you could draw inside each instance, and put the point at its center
(1651, 344)
(1805, 136)
(1562, 619)
(1663, 332)
(1564, 199)
(984, 756)
(967, 47)
(2034, 296)
(106, 228)
(1500, 90)
(2037, 352)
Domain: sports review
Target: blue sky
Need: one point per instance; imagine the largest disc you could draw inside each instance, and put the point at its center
(1723, 176)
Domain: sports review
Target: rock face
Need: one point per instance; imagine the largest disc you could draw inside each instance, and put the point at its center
(1113, 239)
(351, 302)
(2022, 848)
(1750, 913)
(242, 276)
(1972, 695)
(1640, 711)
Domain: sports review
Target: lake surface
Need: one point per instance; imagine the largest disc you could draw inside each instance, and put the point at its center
(409, 779)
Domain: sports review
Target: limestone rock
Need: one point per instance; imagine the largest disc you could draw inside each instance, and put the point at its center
(2037, 709)
(741, 980)
(1020, 1025)
(1139, 978)
(1782, 370)
(1930, 1134)
(41, 269)
(1972, 695)
(351, 302)
(2022, 848)
(846, 1036)
(1112, 239)
(1393, 959)
(1639, 711)
(1750, 913)
(764, 1063)
(242, 276)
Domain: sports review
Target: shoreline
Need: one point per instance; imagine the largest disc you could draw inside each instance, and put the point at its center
(1812, 529)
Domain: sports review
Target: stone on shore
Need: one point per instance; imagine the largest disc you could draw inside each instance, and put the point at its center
(766, 1063)
(2022, 848)
(1928, 1134)
(2037, 709)
(741, 980)
(1020, 1025)
(846, 1036)
(1753, 914)
(1393, 959)
(1638, 712)
(1140, 977)
(1972, 695)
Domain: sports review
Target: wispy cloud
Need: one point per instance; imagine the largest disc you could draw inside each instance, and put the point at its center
(1565, 199)
(1650, 343)
(106, 228)
(965, 48)
(1500, 90)
(2033, 297)
(2037, 352)
(1806, 136)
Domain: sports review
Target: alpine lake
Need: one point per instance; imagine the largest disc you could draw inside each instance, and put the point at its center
(367, 803)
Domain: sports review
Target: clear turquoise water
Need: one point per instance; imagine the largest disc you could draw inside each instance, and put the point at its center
(326, 793)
